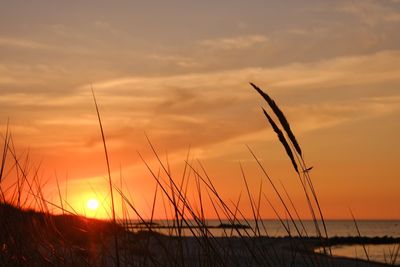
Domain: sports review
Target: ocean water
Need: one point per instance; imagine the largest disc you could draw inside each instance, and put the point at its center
(274, 228)
(380, 253)
(341, 228)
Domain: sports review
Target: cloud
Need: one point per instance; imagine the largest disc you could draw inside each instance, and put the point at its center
(238, 42)
(349, 70)
(207, 108)
(22, 43)
(181, 61)
(371, 12)
(393, 17)
(212, 108)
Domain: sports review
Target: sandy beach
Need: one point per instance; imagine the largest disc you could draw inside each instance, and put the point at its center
(31, 238)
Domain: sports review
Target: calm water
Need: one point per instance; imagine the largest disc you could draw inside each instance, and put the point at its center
(379, 253)
(274, 228)
(343, 228)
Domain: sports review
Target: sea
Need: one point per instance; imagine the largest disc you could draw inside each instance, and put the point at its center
(274, 228)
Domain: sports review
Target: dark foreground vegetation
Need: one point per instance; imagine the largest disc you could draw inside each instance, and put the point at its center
(30, 238)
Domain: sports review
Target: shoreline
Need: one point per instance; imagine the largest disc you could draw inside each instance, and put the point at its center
(42, 239)
(288, 251)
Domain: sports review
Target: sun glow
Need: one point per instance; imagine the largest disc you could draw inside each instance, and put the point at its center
(92, 204)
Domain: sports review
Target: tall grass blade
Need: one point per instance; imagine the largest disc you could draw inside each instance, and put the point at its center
(359, 235)
(282, 119)
(282, 139)
(109, 180)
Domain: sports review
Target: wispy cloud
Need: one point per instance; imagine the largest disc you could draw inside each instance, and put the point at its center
(371, 12)
(22, 43)
(181, 61)
(393, 17)
(197, 106)
(237, 42)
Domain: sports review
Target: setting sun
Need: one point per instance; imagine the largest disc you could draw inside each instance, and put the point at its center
(92, 204)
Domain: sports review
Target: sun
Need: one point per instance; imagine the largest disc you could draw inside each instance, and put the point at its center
(92, 204)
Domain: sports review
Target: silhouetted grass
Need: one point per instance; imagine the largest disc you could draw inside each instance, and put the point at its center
(109, 179)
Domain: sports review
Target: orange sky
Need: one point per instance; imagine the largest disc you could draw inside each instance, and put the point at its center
(180, 71)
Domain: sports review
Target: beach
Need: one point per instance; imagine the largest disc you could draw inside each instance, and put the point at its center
(32, 238)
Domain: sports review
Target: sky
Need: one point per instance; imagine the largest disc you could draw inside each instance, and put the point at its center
(179, 71)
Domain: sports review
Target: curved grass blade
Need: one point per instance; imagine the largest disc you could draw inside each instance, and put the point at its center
(282, 119)
(282, 139)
